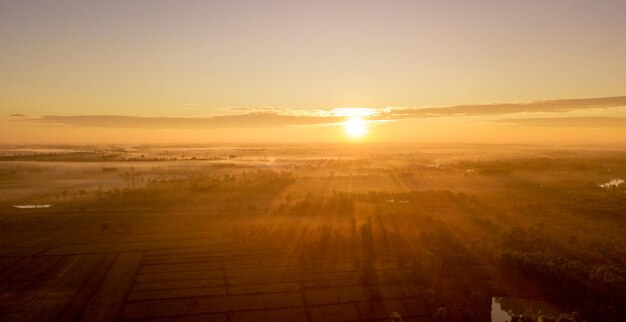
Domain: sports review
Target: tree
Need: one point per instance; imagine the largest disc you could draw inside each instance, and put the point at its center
(395, 317)
(440, 315)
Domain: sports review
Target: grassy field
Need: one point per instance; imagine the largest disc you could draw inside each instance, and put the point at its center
(278, 233)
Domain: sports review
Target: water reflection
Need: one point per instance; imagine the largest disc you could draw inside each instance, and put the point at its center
(612, 184)
(497, 313)
(31, 206)
(504, 309)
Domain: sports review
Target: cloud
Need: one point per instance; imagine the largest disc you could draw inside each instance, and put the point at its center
(265, 117)
(588, 122)
(19, 117)
(563, 105)
(257, 120)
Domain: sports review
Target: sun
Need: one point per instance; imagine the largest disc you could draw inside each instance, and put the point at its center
(355, 127)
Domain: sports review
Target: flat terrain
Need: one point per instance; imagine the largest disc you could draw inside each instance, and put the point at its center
(285, 234)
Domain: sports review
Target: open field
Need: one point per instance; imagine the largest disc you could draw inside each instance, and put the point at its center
(280, 233)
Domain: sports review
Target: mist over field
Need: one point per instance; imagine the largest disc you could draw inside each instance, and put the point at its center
(312, 233)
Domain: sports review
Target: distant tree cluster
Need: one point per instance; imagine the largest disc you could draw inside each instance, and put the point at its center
(600, 288)
(337, 203)
(573, 317)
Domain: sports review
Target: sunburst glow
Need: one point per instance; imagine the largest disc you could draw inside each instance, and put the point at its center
(355, 127)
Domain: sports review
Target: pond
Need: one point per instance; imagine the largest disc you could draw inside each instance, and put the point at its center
(31, 206)
(504, 308)
(612, 184)
(497, 313)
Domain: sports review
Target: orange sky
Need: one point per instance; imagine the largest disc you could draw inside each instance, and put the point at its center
(280, 71)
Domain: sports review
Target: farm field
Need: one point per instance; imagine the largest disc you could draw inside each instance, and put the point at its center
(278, 234)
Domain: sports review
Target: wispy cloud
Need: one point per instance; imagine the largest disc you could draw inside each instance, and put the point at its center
(588, 122)
(564, 105)
(19, 117)
(256, 120)
(264, 117)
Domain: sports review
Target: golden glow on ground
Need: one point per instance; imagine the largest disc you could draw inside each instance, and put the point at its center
(355, 127)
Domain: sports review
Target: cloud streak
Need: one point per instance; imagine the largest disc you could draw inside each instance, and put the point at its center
(564, 105)
(586, 122)
(257, 120)
(276, 117)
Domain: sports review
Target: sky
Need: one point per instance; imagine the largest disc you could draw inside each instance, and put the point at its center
(294, 71)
